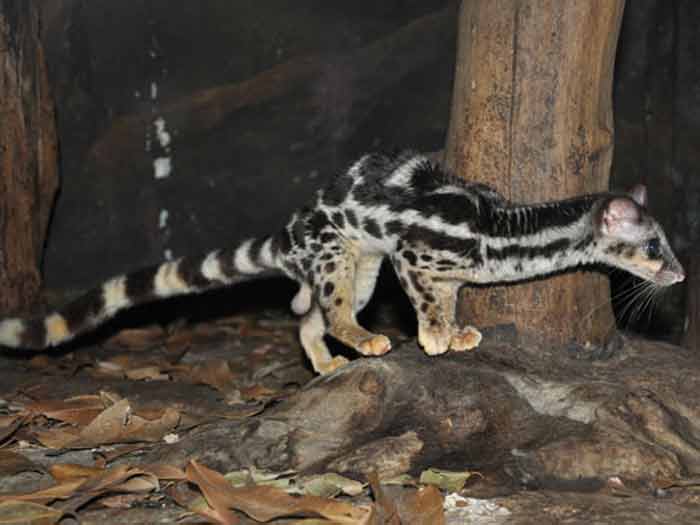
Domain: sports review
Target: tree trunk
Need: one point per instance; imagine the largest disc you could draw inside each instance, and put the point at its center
(532, 117)
(28, 154)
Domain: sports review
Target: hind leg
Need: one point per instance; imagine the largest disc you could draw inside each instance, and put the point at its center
(311, 332)
(335, 289)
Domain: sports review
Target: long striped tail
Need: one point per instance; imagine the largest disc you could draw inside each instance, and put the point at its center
(188, 275)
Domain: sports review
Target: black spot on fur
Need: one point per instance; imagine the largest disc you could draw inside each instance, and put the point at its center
(326, 256)
(394, 227)
(299, 233)
(140, 284)
(426, 257)
(424, 307)
(330, 267)
(254, 250)
(415, 281)
(430, 298)
(306, 263)
(352, 218)
(328, 289)
(317, 222)
(34, 334)
(316, 247)
(338, 219)
(410, 257)
(372, 228)
(327, 237)
(190, 270)
(445, 262)
(283, 242)
(79, 313)
(338, 301)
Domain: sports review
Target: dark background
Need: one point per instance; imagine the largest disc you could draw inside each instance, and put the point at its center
(240, 172)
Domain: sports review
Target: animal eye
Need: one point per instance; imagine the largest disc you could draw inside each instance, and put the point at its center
(653, 248)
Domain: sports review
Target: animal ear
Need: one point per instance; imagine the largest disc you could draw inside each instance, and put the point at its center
(620, 218)
(639, 194)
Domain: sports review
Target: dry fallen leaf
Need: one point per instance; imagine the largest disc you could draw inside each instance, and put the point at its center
(386, 508)
(115, 424)
(79, 410)
(27, 513)
(12, 463)
(137, 338)
(423, 507)
(266, 503)
(215, 373)
(70, 471)
(9, 427)
(451, 481)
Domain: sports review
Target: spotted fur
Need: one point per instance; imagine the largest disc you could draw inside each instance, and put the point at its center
(439, 233)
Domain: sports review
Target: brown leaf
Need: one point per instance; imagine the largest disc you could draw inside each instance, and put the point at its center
(266, 503)
(9, 425)
(27, 513)
(258, 393)
(79, 410)
(115, 424)
(60, 491)
(167, 472)
(423, 507)
(386, 508)
(12, 463)
(65, 471)
(215, 488)
(215, 373)
(138, 338)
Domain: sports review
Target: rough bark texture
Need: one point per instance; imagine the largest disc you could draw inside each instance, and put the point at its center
(28, 154)
(532, 117)
(537, 415)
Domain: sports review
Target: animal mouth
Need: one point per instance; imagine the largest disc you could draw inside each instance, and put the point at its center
(667, 276)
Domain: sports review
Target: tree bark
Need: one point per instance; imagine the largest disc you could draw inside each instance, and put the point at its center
(542, 417)
(28, 155)
(532, 117)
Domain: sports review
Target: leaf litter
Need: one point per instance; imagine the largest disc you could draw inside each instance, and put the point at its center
(95, 403)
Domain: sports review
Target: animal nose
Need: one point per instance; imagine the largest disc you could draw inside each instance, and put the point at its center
(680, 275)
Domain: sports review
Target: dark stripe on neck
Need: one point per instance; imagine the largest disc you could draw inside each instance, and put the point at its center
(527, 252)
(519, 221)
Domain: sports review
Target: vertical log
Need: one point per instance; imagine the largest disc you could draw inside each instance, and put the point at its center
(28, 154)
(691, 334)
(532, 117)
(686, 155)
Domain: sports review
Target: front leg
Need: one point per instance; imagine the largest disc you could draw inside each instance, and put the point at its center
(434, 300)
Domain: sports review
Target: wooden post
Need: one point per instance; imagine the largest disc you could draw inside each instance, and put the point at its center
(532, 117)
(28, 155)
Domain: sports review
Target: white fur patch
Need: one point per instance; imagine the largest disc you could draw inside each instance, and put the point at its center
(242, 260)
(266, 254)
(11, 332)
(114, 294)
(211, 268)
(168, 281)
(404, 173)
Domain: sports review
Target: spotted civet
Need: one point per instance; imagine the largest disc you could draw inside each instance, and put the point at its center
(439, 232)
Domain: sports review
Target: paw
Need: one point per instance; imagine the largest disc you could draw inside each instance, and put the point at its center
(375, 345)
(467, 339)
(435, 341)
(331, 366)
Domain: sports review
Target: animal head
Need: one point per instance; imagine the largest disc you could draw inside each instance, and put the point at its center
(628, 237)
